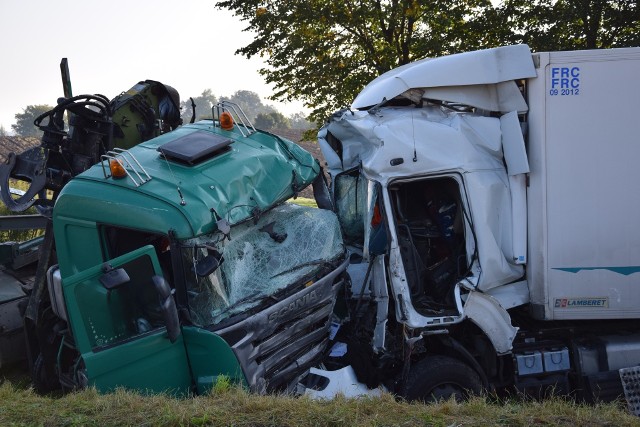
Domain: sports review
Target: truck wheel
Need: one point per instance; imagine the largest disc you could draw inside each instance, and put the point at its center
(439, 378)
(42, 382)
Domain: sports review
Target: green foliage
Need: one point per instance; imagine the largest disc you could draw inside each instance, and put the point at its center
(548, 25)
(323, 52)
(300, 121)
(273, 120)
(24, 121)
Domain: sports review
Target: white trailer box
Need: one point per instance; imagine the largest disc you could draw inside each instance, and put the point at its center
(584, 188)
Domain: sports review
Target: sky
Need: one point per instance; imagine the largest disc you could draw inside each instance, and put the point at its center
(113, 44)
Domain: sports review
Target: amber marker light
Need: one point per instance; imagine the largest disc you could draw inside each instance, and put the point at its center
(226, 121)
(116, 168)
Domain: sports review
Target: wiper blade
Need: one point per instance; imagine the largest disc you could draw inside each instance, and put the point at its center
(255, 296)
(306, 264)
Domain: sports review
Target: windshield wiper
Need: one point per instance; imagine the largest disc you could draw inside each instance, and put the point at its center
(255, 296)
(306, 264)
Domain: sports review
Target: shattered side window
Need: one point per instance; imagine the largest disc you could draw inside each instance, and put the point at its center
(288, 244)
(351, 205)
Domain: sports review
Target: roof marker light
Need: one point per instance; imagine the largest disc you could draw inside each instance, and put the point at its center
(117, 169)
(226, 121)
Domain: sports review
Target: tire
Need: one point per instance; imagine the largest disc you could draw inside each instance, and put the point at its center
(438, 378)
(42, 382)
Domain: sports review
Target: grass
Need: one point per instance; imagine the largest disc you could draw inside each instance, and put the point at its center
(304, 202)
(233, 406)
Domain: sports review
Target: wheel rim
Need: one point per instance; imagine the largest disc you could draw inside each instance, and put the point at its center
(444, 391)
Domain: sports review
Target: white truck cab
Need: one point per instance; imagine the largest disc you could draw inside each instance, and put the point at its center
(489, 202)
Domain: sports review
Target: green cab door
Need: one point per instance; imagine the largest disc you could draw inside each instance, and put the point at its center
(119, 327)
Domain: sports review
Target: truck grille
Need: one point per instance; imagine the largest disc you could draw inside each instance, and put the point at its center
(279, 343)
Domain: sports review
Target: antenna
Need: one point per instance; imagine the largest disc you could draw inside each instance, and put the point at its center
(413, 132)
(175, 181)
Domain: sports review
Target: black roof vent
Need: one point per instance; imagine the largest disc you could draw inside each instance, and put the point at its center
(195, 147)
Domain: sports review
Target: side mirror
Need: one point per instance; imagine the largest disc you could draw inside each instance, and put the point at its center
(209, 264)
(114, 278)
(168, 307)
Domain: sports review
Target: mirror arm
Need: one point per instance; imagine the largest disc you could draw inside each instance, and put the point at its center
(168, 307)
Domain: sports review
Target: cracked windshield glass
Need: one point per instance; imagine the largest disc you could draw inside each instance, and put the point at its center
(288, 245)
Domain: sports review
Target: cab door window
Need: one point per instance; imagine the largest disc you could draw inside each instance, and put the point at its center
(111, 316)
(350, 195)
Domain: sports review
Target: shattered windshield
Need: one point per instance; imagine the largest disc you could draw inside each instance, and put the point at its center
(288, 244)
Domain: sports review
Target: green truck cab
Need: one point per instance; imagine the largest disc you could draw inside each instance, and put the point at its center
(180, 260)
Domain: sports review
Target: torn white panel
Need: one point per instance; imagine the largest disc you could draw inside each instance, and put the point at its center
(493, 319)
(339, 349)
(518, 187)
(491, 211)
(511, 295)
(515, 154)
(333, 160)
(438, 140)
(503, 96)
(488, 66)
(341, 382)
(355, 140)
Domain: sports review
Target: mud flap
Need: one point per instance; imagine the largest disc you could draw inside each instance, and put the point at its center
(486, 312)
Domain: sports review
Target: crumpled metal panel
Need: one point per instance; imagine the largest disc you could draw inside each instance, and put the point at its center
(279, 343)
(256, 173)
(440, 142)
(486, 312)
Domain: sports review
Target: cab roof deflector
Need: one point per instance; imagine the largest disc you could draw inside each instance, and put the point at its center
(457, 78)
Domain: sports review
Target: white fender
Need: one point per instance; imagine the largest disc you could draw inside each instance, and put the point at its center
(486, 312)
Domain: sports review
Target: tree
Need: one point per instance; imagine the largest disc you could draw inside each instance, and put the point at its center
(323, 52)
(572, 24)
(203, 103)
(250, 103)
(300, 121)
(24, 121)
(3, 131)
(273, 120)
